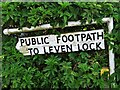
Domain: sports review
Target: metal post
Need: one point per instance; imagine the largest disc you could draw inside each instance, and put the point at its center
(111, 54)
(46, 26)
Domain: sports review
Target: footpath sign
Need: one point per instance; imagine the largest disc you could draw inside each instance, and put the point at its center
(69, 42)
(76, 42)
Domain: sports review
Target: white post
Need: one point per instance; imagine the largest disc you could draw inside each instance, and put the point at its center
(111, 54)
(46, 26)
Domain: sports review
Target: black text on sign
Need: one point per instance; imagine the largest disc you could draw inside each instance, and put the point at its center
(69, 42)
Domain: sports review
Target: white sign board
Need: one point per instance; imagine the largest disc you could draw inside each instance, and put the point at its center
(69, 42)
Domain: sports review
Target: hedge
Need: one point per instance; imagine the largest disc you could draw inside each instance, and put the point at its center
(65, 70)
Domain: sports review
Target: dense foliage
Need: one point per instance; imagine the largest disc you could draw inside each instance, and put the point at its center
(65, 70)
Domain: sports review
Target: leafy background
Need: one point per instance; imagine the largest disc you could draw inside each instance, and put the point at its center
(65, 70)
